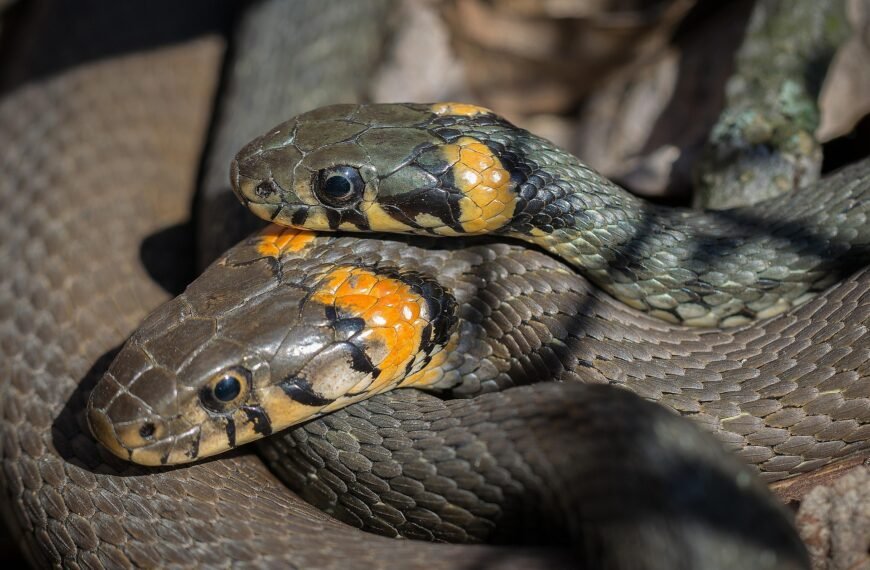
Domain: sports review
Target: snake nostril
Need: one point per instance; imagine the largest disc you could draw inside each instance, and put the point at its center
(266, 188)
(147, 430)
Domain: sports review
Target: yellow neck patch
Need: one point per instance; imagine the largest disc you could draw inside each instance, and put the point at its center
(488, 202)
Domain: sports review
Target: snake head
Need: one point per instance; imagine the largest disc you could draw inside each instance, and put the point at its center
(404, 168)
(252, 347)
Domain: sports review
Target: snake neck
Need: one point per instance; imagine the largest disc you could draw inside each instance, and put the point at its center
(722, 268)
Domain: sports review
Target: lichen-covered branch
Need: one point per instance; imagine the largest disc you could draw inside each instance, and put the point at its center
(763, 143)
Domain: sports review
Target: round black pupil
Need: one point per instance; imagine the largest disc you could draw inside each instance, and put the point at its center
(337, 186)
(227, 389)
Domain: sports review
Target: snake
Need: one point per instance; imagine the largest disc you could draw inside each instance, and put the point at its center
(69, 296)
(359, 329)
(353, 165)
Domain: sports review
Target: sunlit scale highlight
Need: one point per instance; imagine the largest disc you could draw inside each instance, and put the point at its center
(275, 240)
(395, 317)
(488, 202)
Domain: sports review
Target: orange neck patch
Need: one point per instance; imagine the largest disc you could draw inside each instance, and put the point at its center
(275, 240)
(488, 202)
(395, 317)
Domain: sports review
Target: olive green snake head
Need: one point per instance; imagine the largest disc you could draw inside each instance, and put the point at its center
(249, 349)
(396, 167)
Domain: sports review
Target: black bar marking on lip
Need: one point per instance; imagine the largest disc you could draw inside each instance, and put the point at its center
(299, 216)
(193, 452)
(355, 217)
(396, 213)
(258, 417)
(299, 390)
(231, 431)
(361, 362)
(441, 202)
(333, 218)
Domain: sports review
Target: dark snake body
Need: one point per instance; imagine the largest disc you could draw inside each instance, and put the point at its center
(64, 307)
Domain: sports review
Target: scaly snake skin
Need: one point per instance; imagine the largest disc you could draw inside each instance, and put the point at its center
(68, 299)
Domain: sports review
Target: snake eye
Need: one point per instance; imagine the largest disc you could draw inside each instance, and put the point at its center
(339, 186)
(226, 389)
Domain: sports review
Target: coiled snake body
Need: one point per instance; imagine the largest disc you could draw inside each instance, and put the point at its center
(330, 332)
(73, 290)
